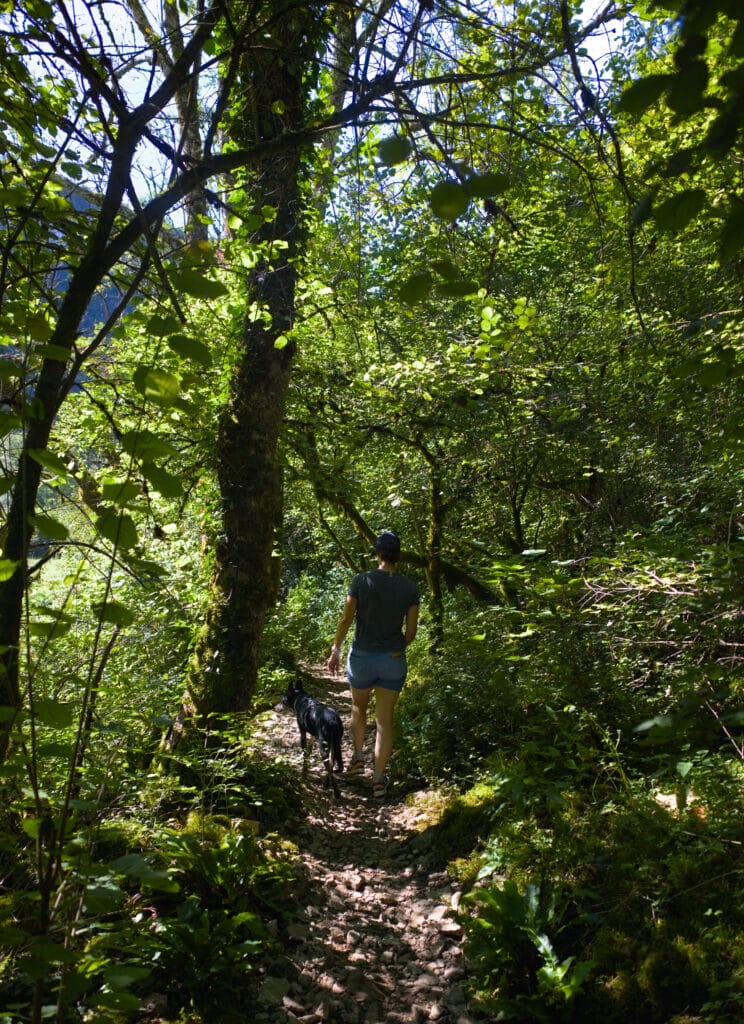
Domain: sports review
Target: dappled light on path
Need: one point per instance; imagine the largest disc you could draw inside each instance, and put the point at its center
(376, 940)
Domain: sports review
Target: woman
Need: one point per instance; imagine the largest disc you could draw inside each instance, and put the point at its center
(385, 606)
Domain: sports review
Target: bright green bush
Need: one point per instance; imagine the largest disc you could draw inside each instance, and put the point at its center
(304, 621)
(592, 897)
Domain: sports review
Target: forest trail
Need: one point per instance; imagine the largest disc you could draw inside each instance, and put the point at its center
(376, 942)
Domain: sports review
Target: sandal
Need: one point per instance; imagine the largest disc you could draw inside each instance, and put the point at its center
(379, 789)
(356, 768)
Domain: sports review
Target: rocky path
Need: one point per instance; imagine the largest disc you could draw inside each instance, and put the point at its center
(376, 942)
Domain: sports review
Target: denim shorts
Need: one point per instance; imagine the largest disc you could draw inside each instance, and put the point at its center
(387, 669)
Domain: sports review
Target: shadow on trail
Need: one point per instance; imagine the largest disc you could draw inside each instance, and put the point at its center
(374, 940)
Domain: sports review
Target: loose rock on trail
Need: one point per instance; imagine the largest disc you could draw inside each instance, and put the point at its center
(376, 941)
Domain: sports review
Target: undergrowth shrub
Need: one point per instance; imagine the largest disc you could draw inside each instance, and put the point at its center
(224, 773)
(448, 725)
(180, 892)
(592, 900)
(512, 939)
(458, 704)
(304, 621)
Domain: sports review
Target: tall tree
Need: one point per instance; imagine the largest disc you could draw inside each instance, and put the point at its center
(275, 99)
(80, 89)
(273, 96)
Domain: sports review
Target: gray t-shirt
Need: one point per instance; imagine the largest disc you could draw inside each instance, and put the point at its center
(383, 598)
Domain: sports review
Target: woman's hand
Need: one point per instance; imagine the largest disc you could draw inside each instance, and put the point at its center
(334, 662)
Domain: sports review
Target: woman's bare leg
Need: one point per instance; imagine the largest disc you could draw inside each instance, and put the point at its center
(385, 701)
(359, 703)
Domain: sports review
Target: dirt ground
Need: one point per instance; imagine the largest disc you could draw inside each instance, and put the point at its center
(377, 940)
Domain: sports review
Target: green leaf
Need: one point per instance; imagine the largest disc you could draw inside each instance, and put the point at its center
(449, 200)
(446, 269)
(416, 288)
(120, 492)
(113, 612)
(31, 826)
(251, 222)
(281, 341)
(7, 569)
(643, 93)
(484, 186)
(278, 107)
(124, 975)
(158, 386)
(38, 328)
(394, 150)
(117, 528)
(723, 132)
(694, 46)
(48, 630)
(13, 197)
(146, 567)
(687, 92)
(52, 612)
(49, 527)
(190, 348)
(58, 353)
(71, 170)
(119, 1001)
(163, 481)
(732, 235)
(48, 460)
(131, 865)
(663, 723)
(13, 937)
(642, 210)
(675, 213)
(56, 749)
(9, 369)
(103, 897)
(8, 422)
(199, 285)
(144, 444)
(160, 326)
(54, 713)
(134, 865)
(458, 289)
(711, 374)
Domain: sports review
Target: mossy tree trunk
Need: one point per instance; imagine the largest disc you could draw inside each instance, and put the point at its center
(225, 666)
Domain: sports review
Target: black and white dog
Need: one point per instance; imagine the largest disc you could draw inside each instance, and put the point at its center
(322, 722)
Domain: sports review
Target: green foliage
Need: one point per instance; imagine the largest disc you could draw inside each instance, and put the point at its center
(703, 89)
(519, 342)
(182, 910)
(479, 696)
(304, 622)
(590, 874)
(511, 939)
(395, 149)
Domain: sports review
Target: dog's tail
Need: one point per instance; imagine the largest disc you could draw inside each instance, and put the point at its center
(337, 752)
(329, 753)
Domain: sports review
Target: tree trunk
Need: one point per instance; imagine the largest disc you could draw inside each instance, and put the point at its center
(224, 669)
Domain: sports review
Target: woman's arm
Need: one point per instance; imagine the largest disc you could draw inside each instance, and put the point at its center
(344, 624)
(411, 624)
